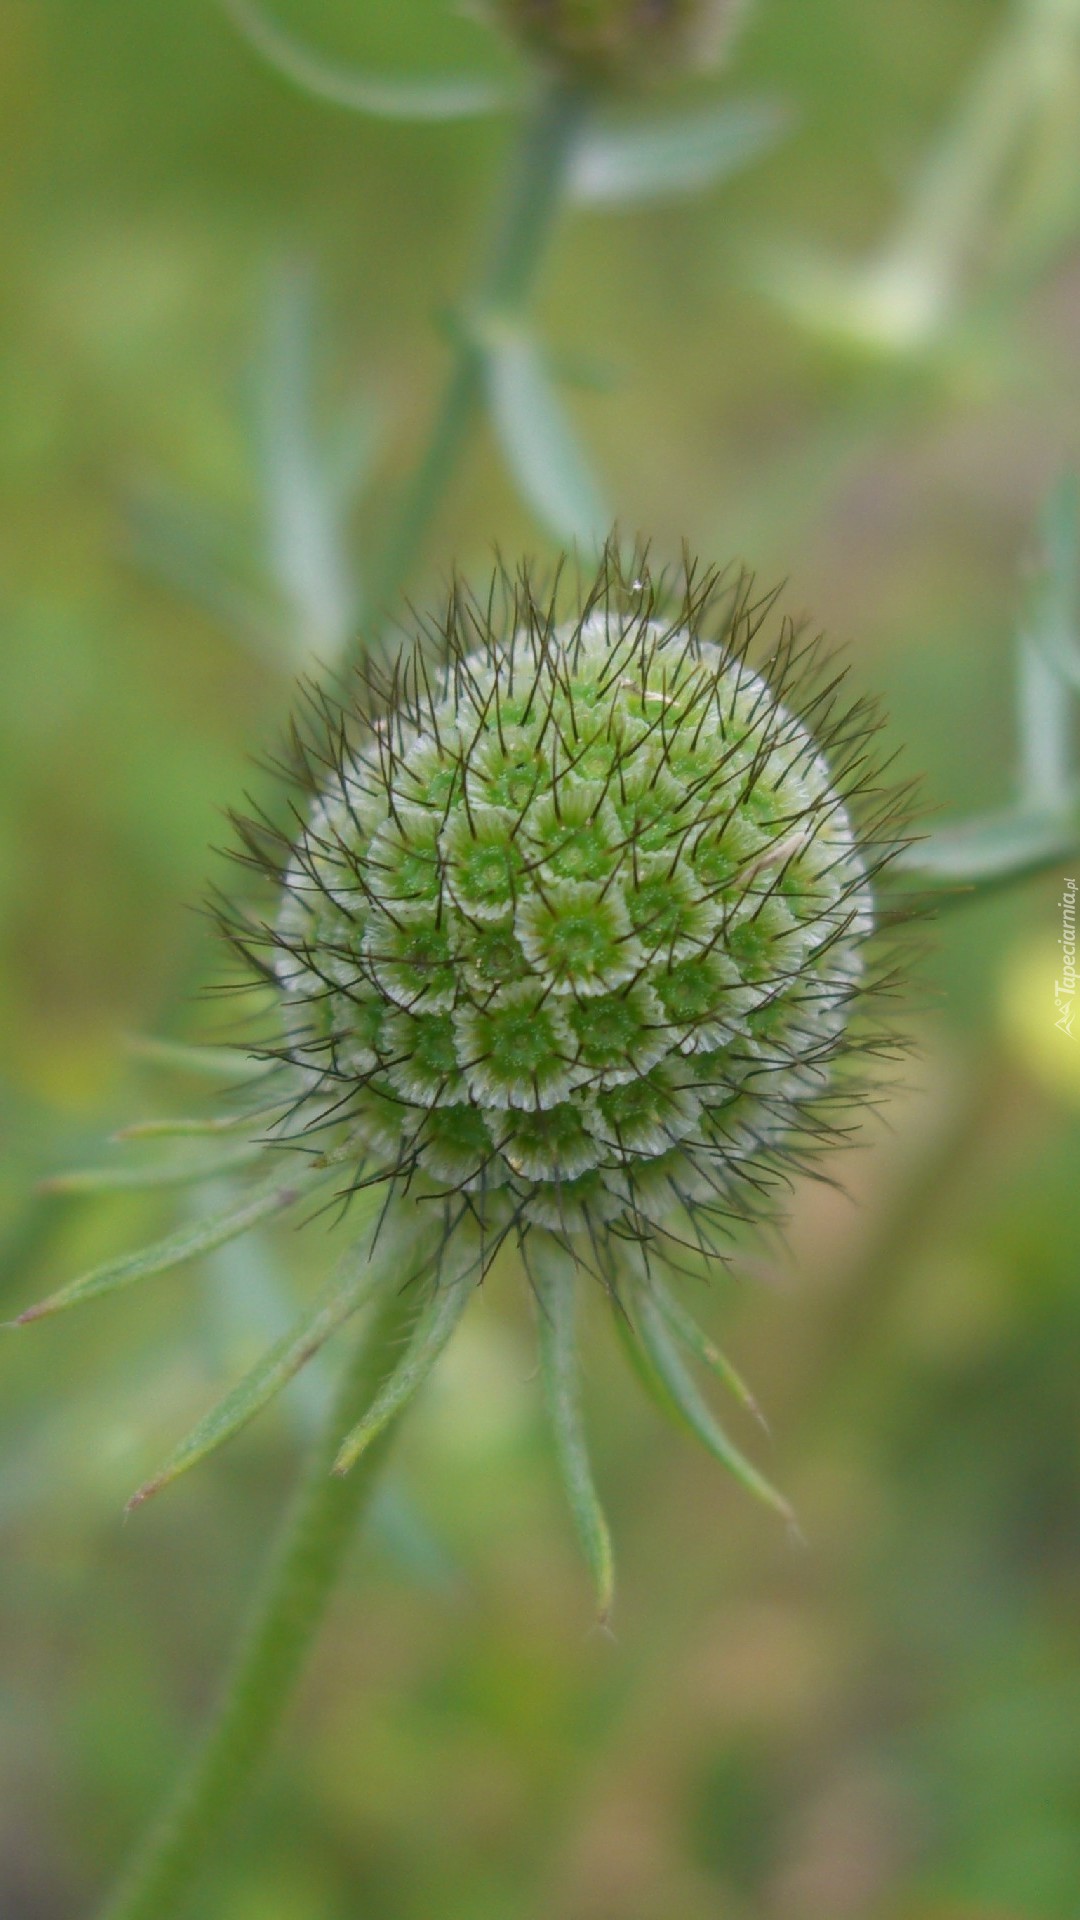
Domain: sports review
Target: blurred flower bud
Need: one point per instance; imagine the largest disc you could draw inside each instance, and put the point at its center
(621, 41)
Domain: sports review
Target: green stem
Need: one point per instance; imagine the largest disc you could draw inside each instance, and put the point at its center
(958, 181)
(533, 196)
(311, 1550)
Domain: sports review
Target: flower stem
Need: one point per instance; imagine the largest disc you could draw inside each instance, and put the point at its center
(531, 204)
(958, 181)
(311, 1550)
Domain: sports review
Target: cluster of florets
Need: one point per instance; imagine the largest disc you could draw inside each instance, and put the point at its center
(575, 925)
(620, 39)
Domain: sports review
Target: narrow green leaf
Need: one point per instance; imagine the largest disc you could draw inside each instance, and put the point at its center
(174, 1251)
(170, 1173)
(306, 548)
(203, 1063)
(434, 1326)
(625, 165)
(421, 98)
(661, 1351)
(696, 1340)
(998, 846)
(644, 1370)
(537, 441)
(561, 1374)
(1044, 726)
(192, 1126)
(339, 1299)
(1049, 655)
(1055, 623)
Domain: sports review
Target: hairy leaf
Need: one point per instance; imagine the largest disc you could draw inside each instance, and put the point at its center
(340, 1298)
(697, 1342)
(435, 1324)
(169, 1173)
(174, 1251)
(203, 1063)
(192, 1126)
(661, 1351)
(556, 1279)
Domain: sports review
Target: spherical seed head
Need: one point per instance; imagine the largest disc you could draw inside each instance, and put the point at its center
(619, 40)
(577, 924)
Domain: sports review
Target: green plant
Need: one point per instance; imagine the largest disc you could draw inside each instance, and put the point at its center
(563, 1124)
(570, 956)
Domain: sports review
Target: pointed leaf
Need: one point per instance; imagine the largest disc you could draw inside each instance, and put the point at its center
(306, 548)
(661, 1351)
(556, 1280)
(421, 98)
(696, 1340)
(1055, 617)
(340, 1298)
(192, 1126)
(644, 1369)
(204, 1063)
(1045, 728)
(998, 846)
(171, 1173)
(623, 166)
(435, 1324)
(1049, 655)
(174, 1251)
(537, 441)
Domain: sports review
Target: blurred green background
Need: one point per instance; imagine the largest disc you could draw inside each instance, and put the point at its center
(879, 1726)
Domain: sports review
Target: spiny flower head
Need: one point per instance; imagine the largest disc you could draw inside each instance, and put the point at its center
(574, 933)
(570, 947)
(618, 40)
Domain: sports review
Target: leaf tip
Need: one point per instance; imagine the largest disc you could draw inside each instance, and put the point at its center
(37, 1312)
(354, 1445)
(752, 1407)
(603, 1628)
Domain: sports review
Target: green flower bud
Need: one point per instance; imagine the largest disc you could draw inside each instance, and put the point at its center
(620, 40)
(577, 926)
(573, 949)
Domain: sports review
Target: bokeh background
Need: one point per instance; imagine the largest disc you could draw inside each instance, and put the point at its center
(881, 1725)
